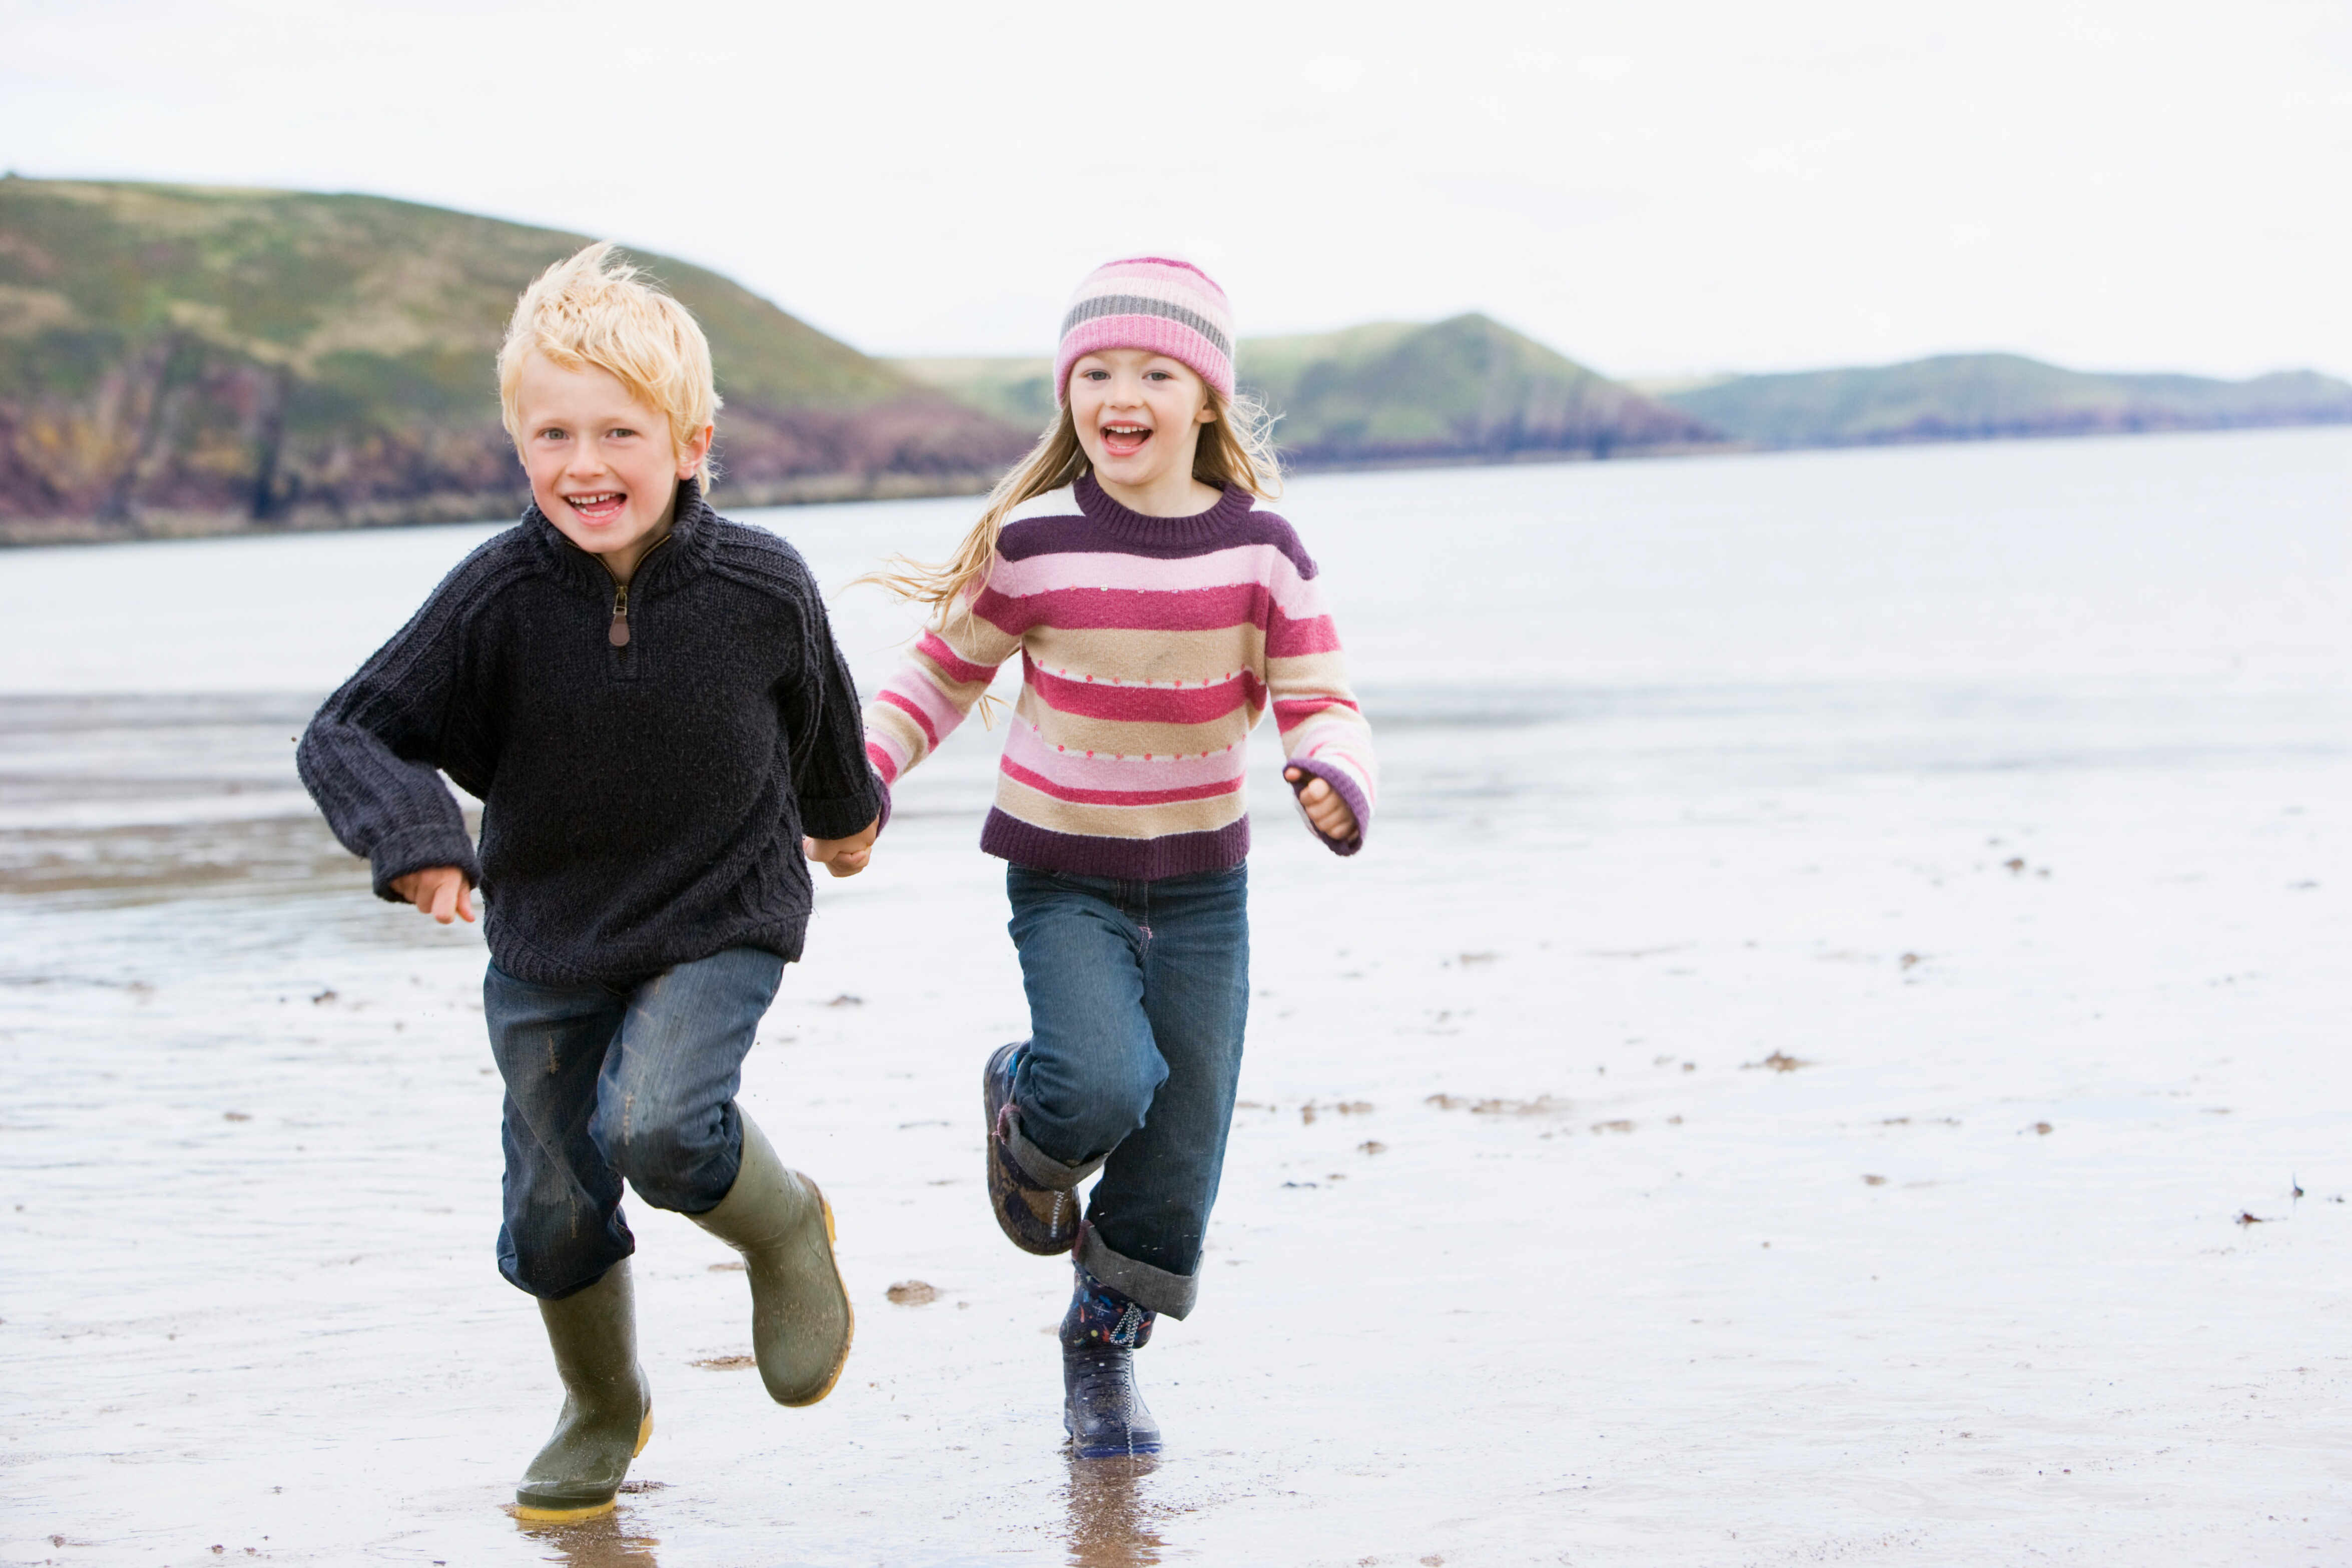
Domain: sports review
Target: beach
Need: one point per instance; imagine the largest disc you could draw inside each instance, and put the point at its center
(1832, 1052)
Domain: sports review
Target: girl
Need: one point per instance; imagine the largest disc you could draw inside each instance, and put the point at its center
(1157, 610)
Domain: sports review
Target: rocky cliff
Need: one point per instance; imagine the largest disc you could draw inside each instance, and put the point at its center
(178, 359)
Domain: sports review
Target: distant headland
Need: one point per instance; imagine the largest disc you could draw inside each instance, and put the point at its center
(179, 359)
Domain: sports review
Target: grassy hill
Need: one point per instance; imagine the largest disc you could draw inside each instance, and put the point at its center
(179, 359)
(1959, 397)
(1463, 390)
(1016, 389)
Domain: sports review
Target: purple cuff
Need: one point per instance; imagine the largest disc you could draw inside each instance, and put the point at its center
(1349, 792)
(883, 820)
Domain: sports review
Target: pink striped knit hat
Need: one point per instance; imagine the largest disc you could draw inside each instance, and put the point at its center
(1171, 307)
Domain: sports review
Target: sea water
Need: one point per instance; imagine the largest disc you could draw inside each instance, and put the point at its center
(1834, 1050)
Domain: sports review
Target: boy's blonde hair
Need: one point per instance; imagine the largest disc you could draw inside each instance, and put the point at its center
(597, 310)
(1236, 447)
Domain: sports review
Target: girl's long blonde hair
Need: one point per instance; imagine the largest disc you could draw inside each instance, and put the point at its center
(1236, 447)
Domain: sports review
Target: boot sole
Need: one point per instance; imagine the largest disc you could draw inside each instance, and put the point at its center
(532, 1513)
(848, 1312)
(526, 1514)
(1131, 1450)
(1139, 1451)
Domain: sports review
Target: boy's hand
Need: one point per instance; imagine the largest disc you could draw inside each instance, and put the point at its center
(844, 857)
(1325, 808)
(441, 891)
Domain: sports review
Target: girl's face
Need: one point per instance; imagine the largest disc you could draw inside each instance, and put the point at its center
(1138, 416)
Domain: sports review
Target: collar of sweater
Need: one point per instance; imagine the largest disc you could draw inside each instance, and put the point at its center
(1124, 522)
(691, 542)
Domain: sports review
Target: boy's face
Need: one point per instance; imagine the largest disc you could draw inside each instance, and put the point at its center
(603, 467)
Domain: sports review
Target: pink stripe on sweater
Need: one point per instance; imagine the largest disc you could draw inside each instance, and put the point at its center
(935, 648)
(1013, 617)
(917, 685)
(1290, 712)
(1145, 704)
(913, 710)
(1288, 639)
(1079, 771)
(1077, 797)
(1113, 568)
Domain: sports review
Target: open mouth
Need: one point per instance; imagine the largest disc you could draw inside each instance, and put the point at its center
(597, 507)
(1124, 440)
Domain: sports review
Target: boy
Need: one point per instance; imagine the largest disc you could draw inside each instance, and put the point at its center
(648, 701)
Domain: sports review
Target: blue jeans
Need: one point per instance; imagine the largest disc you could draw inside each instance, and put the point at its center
(1139, 992)
(608, 1081)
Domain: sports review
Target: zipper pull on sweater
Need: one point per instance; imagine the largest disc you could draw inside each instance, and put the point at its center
(618, 634)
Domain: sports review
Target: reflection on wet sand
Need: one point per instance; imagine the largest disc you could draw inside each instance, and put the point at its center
(607, 1540)
(130, 800)
(1111, 1523)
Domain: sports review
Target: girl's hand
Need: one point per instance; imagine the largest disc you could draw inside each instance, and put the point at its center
(441, 891)
(845, 857)
(1325, 808)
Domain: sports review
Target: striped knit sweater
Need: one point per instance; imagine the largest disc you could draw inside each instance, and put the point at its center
(1151, 647)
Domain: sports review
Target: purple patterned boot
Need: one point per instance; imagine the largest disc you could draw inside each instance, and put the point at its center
(1101, 1409)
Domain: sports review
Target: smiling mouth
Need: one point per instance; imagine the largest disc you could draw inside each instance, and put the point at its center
(1125, 440)
(597, 507)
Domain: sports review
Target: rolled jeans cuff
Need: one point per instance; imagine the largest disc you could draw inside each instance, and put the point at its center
(1154, 1289)
(1044, 1170)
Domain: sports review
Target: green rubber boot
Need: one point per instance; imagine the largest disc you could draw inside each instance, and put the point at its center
(608, 1413)
(801, 1321)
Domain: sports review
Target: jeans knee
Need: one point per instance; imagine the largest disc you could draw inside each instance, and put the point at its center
(671, 1160)
(1131, 1092)
(1094, 1113)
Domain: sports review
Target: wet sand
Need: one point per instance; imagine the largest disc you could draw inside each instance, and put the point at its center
(1857, 1121)
(1530, 1250)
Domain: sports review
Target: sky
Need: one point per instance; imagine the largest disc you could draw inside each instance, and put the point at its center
(1654, 190)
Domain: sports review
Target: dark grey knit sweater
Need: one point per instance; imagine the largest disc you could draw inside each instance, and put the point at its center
(642, 805)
